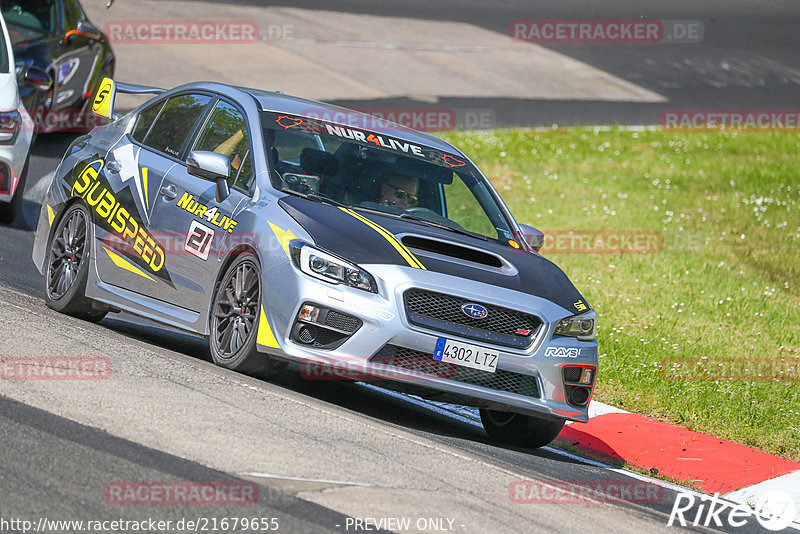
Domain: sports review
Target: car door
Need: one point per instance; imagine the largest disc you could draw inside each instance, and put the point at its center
(76, 57)
(187, 209)
(135, 252)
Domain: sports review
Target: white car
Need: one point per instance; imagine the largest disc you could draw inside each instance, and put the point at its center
(16, 128)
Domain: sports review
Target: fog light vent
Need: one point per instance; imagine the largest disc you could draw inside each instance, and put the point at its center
(306, 334)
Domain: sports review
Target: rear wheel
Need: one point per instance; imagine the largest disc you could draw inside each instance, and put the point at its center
(68, 266)
(518, 429)
(235, 318)
(10, 210)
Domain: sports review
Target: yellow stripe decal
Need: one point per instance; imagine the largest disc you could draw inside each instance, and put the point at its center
(265, 336)
(407, 255)
(50, 214)
(144, 182)
(284, 236)
(122, 263)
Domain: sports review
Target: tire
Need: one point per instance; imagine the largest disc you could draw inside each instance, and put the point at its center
(68, 266)
(10, 210)
(518, 429)
(234, 318)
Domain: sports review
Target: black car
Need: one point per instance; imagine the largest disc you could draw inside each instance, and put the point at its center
(57, 37)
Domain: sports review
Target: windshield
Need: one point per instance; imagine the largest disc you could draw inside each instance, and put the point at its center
(367, 171)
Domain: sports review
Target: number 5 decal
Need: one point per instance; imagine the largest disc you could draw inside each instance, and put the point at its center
(198, 240)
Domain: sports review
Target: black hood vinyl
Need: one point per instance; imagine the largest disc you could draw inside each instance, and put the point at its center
(334, 229)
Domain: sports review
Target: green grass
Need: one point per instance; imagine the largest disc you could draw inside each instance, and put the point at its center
(726, 285)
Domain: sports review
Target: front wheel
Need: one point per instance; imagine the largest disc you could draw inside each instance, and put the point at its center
(234, 320)
(68, 266)
(518, 429)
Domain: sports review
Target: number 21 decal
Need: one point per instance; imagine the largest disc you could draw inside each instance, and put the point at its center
(198, 240)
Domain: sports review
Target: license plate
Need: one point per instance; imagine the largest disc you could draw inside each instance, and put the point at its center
(465, 355)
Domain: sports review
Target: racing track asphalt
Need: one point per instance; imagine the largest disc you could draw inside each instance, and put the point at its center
(139, 436)
(747, 59)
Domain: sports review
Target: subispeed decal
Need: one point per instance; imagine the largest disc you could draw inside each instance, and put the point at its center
(122, 263)
(210, 215)
(265, 336)
(112, 214)
(580, 306)
(128, 158)
(284, 236)
(404, 252)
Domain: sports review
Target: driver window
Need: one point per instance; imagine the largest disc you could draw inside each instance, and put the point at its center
(226, 133)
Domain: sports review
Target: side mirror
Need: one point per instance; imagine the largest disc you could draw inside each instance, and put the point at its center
(84, 28)
(534, 237)
(36, 78)
(213, 167)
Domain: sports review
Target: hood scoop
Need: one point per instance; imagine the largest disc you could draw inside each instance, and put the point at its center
(424, 246)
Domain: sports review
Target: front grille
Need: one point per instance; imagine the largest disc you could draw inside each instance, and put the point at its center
(341, 321)
(440, 312)
(424, 364)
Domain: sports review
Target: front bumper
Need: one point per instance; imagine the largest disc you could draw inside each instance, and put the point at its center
(13, 156)
(386, 329)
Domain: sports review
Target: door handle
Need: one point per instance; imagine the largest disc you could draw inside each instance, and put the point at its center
(113, 166)
(169, 191)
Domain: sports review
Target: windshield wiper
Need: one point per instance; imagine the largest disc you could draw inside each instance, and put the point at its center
(316, 198)
(428, 222)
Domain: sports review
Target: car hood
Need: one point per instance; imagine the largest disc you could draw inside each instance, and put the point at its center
(367, 238)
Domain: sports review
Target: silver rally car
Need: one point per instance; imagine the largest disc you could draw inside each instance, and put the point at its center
(284, 230)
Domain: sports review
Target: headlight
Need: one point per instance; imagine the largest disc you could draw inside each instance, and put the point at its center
(581, 326)
(328, 267)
